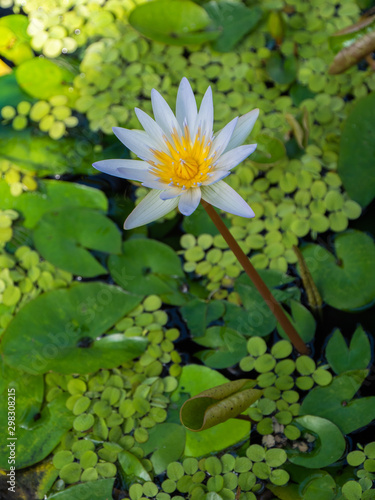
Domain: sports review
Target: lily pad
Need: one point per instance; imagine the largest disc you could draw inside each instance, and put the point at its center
(29, 390)
(132, 468)
(302, 320)
(218, 404)
(328, 447)
(198, 315)
(233, 20)
(335, 402)
(42, 78)
(148, 267)
(15, 42)
(51, 195)
(10, 93)
(269, 150)
(228, 347)
(193, 380)
(176, 23)
(62, 324)
(260, 320)
(345, 281)
(282, 71)
(63, 236)
(357, 152)
(355, 357)
(166, 443)
(37, 440)
(92, 490)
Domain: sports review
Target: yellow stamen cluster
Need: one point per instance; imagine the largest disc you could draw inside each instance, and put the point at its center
(188, 162)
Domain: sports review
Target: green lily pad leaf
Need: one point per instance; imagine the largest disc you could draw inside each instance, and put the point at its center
(357, 146)
(199, 222)
(198, 315)
(193, 380)
(355, 357)
(219, 404)
(288, 492)
(63, 236)
(37, 441)
(260, 320)
(132, 468)
(173, 22)
(282, 71)
(166, 443)
(92, 490)
(10, 92)
(61, 325)
(148, 267)
(269, 150)
(42, 78)
(29, 390)
(335, 402)
(45, 156)
(228, 347)
(323, 487)
(346, 281)
(14, 40)
(302, 320)
(233, 20)
(51, 195)
(328, 447)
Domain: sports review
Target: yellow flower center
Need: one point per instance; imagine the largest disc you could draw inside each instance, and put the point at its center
(187, 163)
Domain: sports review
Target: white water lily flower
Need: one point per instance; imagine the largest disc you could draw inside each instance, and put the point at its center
(182, 160)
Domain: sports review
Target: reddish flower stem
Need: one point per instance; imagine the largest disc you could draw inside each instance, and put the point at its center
(249, 269)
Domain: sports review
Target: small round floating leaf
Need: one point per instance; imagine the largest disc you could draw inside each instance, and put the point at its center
(71, 473)
(265, 426)
(305, 365)
(304, 383)
(256, 453)
(370, 450)
(356, 458)
(136, 491)
(292, 432)
(242, 464)
(62, 458)
(265, 363)
(175, 471)
(352, 490)
(83, 422)
(261, 470)
(256, 346)
(322, 377)
(281, 349)
(279, 477)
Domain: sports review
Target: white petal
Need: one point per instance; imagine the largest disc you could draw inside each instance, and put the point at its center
(153, 183)
(137, 141)
(224, 197)
(152, 128)
(127, 169)
(222, 139)
(168, 194)
(186, 107)
(150, 209)
(189, 200)
(205, 118)
(244, 126)
(215, 177)
(163, 114)
(232, 158)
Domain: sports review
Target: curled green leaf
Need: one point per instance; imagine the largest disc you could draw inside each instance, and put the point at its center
(217, 405)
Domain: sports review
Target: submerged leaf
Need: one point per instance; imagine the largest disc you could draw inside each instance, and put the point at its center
(216, 405)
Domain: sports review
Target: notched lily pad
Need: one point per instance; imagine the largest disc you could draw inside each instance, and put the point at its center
(357, 151)
(61, 326)
(355, 357)
(345, 281)
(328, 447)
(335, 402)
(64, 236)
(198, 314)
(92, 490)
(217, 405)
(148, 267)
